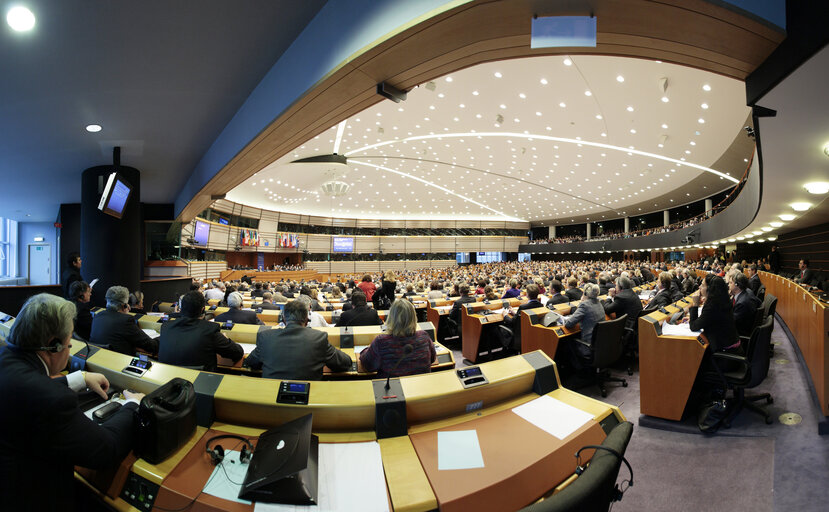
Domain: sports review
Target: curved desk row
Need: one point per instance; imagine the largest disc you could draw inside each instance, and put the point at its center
(516, 471)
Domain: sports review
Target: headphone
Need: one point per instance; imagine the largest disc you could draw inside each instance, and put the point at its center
(217, 454)
(618, 492)
(57, 347)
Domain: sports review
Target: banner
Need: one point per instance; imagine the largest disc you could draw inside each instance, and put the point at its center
(249, 237)
(287, 240)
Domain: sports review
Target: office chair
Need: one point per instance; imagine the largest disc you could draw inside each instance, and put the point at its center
(595, 488)
(751, 370)
(630, 339)
(606, 348)
(761, 292)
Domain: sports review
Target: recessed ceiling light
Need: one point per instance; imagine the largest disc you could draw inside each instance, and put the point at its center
(448, 78)
(664, 126)
(801, 207)
(817, 187)
(706, 87)
(620, 79)
(787, 216)
(665, 99)
(498, 74)
(20, 19)
(632, 130)
(704, 105)
(598, 116)
(543, 81)
(562, 105)
(776, 224)
(772, 238)
(93, 128)
(701, 120)
(630, 109)
(568, 62)
(766, 229)
(474, 93)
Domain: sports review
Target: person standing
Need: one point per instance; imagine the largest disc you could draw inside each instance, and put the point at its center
(72, 272)
(774, 260)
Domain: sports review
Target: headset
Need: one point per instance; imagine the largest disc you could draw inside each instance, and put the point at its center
(57, 347)
(618, 492)
(217, 454)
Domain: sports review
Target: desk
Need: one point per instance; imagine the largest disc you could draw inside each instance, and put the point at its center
(475, 326)
(346, 411)
(535, 336)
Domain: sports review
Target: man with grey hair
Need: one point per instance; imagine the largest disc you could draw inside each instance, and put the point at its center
(235, 314)
(622, 301)
(43, 433)
(314, 319)
(116, 328)
(296, 352)
(587, 315)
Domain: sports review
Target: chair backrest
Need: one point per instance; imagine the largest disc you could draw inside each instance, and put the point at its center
(761, 292)
(758, 352)
(607, 342)
(595, 488)
(769, 305)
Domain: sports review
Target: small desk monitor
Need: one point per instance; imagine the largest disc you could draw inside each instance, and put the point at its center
(116, 194)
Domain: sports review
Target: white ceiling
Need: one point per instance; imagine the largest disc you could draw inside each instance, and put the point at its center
(555, 152)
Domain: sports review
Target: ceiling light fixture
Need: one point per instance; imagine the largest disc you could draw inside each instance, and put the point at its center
(20, 19)
(817, 187)
(775, 224)
(787, 216)
(665, 99)
(620, 79)
(766, 229)
(706, 87)
(800, 207)
(568, 62)
(704, 105)
(93, 128)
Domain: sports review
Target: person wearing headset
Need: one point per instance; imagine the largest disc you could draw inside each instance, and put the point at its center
(43, 432)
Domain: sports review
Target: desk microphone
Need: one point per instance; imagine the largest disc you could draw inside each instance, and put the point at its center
(407, 349)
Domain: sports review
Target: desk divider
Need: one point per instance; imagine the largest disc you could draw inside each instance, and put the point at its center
(546, 379)
(390, 409)
(206, 385)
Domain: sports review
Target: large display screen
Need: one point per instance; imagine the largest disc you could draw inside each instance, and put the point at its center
(343, 244)
(116, 194)
(202, 232)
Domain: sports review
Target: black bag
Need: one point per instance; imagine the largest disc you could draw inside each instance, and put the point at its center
(711, 415)
(166, 420)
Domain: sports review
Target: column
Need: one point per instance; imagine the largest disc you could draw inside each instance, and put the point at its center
(709, 205)
(666, 218)
(588, 231)
(552, 233)
(627, 224)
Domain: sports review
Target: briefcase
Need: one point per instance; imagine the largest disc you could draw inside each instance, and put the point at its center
(166, 420)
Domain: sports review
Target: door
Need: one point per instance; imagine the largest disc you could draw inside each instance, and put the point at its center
(40, 264)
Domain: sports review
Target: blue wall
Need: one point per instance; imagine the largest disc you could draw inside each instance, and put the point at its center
(26, 232)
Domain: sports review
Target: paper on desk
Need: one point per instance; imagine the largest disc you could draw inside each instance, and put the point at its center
(359, 348)
(553, 416)
(248, 347)
(151, 333)
(459, 450)
(645, 296)
(351, 477)
(543, 299)
(155, 313)
(227, 478)
(683, 329)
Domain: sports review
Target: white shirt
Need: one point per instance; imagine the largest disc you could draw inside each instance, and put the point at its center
(214, 294)
(317, 320)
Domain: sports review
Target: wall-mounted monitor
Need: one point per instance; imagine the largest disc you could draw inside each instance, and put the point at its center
(343, 244)
(224, 221)
(201, 233)
(116, 194)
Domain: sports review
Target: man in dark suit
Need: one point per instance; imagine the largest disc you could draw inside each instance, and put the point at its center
(465, 298)
(623, 301)
(573, 292)
(745, 304)
(79, 294)
(235, 313)
(193, 341)
(513, 321)
(806, 275)
(754, 282)
(558, 297)
(72, 272)
(774, 260)
(257, 291)
(114, 327)
(360, 313)
(267, 302)
(296, 352)
(663, 296)
(43, 433)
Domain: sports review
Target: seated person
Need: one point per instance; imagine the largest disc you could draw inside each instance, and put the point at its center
(136, 301)
(623, 301)
(114, 327)
(267, 302)
(257, 291)
(314, 319)
(80, 293)
(43, 433)
(215, 292)
(573, 292)
(745, 304)
(193, 341)
(513, 291)
(308, 292)
(360, 314)
(717, 317)
(587, 315)
(296, 352)
(409, 290)
(489, 293)
(754, 282)
(435, 290)
(513, 320)
(235, 313)
(558, 297)
(465, 298)
(387, 353)
(663, 296)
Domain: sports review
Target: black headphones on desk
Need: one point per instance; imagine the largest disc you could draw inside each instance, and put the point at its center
(217, 454)
(618, 492)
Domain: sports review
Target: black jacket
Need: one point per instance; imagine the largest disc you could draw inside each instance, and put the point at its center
(387, 289)
(121, 333)
(718, 324)
(624, 303)
(195, 342)
(361, 315)
(83, 319)
(745, 312)
(661, 299)
(43, 435)
(557, 299)
(297, 353)
(455, 314)
(573, 294)
(266, 305)
(237, 316)
(70, 275)
(754, 284)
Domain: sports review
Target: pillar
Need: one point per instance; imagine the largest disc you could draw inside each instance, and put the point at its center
(627, 224)
(588, 231)
(666, 218)
(552, 233)
(709, 205)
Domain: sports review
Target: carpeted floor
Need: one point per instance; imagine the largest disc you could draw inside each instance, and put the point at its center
(751, 466)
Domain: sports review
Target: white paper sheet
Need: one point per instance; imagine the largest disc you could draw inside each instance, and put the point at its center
(645, 296)
(543, 299)
(683, 329)
(351, 477)
(359, 348)
(151, 333)
(227, 478)
(459, 450)
(248, 347)
(553, 416)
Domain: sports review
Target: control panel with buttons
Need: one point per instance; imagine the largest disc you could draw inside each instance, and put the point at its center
(139, 492)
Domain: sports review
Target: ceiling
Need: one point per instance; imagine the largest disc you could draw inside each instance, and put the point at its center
(162, 79)
(541, 138)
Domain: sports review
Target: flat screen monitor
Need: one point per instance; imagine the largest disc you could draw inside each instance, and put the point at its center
(343, 244)
(202, 232)
(116, 194)
(223, 221)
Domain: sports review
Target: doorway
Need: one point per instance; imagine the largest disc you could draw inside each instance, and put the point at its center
(40, 264)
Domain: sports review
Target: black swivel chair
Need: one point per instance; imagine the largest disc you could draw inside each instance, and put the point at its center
(606, 348)
(761, 292)
(630, 339)
(595, 488)
(751, 369)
